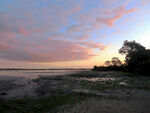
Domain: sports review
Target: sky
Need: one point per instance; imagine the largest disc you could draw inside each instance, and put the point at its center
(69, 33)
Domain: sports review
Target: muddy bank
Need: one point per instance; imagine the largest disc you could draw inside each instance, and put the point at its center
(19, 83)
(16, 87)
(139, 104)
(98, 92)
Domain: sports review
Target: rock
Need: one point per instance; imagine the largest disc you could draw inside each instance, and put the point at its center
(3, 93)
(128, 92)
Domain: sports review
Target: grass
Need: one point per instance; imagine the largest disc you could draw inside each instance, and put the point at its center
(41, 105)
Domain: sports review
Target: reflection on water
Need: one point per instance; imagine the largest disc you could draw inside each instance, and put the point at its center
(99, 79)
(32, 74)
(123, 83)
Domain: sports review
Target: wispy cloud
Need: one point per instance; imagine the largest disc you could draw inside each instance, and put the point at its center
(117, 13)
(56, 31)
(50, 51)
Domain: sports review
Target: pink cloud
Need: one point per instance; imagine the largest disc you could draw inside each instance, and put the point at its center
(5, 34)
(33, 45)
(75, 28)
(4, 47)
(41, 47)
(118, 13)
(63, 16)
(90, 44)
(145, 2)
(50, 51)
(58, 35)
(84, 37)
(103, 47)
(93, 23)
(75, 9)
(23, 32)
(79, 32)
(77, 37)
(131, 10)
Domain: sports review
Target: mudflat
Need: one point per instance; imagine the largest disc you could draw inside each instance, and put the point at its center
(81, 92)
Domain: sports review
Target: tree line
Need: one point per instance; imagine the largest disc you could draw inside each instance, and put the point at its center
(137, 60)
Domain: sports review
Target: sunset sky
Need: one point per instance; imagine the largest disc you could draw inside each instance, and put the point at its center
(69, 33)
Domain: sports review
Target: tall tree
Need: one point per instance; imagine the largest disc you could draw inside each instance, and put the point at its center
(116, 62)
(132, 50)
(137, 56)
(108, 63)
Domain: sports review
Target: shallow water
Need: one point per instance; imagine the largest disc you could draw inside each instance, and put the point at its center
(32, 74)
(123, 83)
(99, 79)
(23, 79)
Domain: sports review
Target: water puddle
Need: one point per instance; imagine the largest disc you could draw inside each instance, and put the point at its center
(123, 83)
(98, 79)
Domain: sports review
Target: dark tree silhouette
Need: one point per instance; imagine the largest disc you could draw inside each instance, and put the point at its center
(114, 62)
(107, 63)
(131, 47)
(95, 67)
(137, 57)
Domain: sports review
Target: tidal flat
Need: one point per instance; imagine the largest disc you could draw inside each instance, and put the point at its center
(77, 92)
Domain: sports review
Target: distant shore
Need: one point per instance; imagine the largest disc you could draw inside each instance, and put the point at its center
(45, 69)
